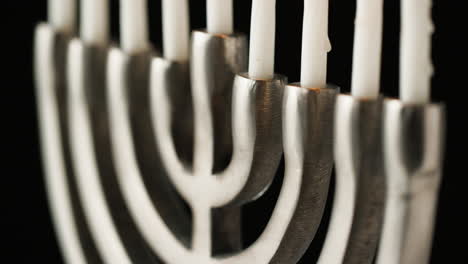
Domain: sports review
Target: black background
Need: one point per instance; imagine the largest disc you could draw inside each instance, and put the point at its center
(26, 229)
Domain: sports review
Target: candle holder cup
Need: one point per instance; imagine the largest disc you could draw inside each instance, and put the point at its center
(413, 140)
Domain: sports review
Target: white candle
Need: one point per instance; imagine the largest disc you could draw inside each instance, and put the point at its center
(219, 16)
(315, 44)
(134, 26)
(62, 15)
(175, 30)
(367, 49)
(94, 22)
(262, 39)
(415, 61)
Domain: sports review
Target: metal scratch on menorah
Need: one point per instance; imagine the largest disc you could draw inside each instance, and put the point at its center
(123, 154)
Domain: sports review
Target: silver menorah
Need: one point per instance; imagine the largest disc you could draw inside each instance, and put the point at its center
(123, 153)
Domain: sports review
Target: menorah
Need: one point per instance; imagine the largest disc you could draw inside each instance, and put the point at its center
(124, 155)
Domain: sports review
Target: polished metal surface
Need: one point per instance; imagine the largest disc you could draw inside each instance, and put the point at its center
(308, 119)
(73, 233)
(89, 125)
(215, 60)
(307, 126)
(135, 80)
(158, 101)
(265, 97)
(131, 144)
(256, 104)
(360, 193)
(413, 138)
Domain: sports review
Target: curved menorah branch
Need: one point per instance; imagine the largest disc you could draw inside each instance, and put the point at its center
(265, 247)
(161, 77)
(215, 59)
(165, 75)
(85, 164)
(246, 93)
(203, 152)
(357, 214)
(89, 124)
(137, 70)
(280, 230)
(285, 217)
(315, 117)
(233, 179)
(52, 150)
(267, 142)
(307, 137)
(147, 218)
(413, 143)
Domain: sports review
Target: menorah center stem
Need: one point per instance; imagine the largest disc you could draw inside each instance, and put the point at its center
(201, 244)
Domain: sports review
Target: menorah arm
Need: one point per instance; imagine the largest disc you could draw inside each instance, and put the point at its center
(148, 220)
(162, 122)
(307, 136)
(232, 180)
(204, 143)
(308, 115)
(413, 143)
(55, 173)
(215, 59)
(357, 213)
(257, 148)
(91, 191)
(263, 250)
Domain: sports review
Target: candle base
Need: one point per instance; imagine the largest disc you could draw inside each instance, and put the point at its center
(414, 146)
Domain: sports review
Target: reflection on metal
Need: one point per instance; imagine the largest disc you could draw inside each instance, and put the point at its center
(150, 161)
(413, 141)
(358, 208)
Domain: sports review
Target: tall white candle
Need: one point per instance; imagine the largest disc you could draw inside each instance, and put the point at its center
(415, 61)
(315, 44)
(134, 25)
(95, 22)
(62, 15)
(175, 30)
(367, 48)
(262, 39)
(219, 16)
